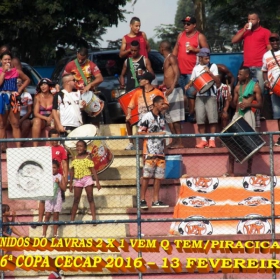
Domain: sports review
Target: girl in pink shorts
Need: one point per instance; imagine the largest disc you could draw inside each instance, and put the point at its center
(54, 205)
(81, 173)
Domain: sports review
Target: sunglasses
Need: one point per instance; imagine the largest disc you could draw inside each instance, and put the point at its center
(187, 23)
(274, 40)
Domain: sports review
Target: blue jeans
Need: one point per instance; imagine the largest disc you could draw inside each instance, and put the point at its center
(275, 106)
(183, 80)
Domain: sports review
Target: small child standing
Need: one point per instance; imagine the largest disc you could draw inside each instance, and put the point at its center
(59, 154)
(81, 172)
(8, 230)
(54, 205)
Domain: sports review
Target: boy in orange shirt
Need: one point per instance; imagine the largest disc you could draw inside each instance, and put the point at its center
(143, 97)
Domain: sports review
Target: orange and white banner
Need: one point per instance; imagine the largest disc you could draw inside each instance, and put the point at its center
(230, 197)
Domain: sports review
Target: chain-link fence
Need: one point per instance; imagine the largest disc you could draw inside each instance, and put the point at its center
(206, 195)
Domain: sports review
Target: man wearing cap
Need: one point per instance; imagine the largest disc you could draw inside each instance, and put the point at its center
(206, 103)
(187, 46)
(255, 43)
(271, 74)
(87, 76)
(133, 67)
(143, 96)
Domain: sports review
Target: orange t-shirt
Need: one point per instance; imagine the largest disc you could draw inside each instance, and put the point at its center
(138, 100)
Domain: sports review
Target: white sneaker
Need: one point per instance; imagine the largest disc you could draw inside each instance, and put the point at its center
(130, 146)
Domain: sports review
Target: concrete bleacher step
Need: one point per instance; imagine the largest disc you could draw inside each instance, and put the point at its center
(124, 158)
(113, 200)
(86, 230)
(118, 173)
(114, 130)
(214, 162)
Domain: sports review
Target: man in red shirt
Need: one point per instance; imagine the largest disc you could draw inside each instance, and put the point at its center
(255, 45)
(187, 46)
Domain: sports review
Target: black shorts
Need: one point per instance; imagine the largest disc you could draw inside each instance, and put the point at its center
(89, 120)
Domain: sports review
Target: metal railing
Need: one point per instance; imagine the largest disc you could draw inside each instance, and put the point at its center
(138, 220)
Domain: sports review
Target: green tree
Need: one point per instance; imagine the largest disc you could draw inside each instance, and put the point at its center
(154, 45)
(35, 27)
(184, 8)
(234, 12)
(167, 32)
(199, 12)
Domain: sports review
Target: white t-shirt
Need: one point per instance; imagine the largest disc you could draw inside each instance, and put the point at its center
(68, 115)
(26, 100)
(270, 66)
(198, 70)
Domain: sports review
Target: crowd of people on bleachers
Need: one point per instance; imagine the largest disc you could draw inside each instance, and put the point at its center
(207, 91)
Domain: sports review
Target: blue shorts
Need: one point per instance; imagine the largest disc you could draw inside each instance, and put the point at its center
(183, 80)
(5, 104)
(275, 100)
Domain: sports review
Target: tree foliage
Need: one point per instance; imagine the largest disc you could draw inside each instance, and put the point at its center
(154, 45)
(184, 8)
(235, 12)
(167, 32)
(219, 20)
(35, 27)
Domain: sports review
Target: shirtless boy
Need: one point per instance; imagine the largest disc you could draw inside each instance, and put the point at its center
(174, 94)
(245, 93)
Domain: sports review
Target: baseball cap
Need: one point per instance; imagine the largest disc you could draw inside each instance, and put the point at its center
(147, 76)
(204, 52)
(44, 81)
(189, 19)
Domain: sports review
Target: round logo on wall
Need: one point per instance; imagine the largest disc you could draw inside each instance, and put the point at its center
(258, 225)
(197, 201)
(254, 201)
(258, 183)
(202, 227)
